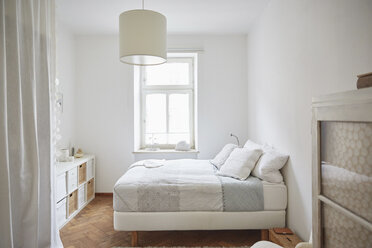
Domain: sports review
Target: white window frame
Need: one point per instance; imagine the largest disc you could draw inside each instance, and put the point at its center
(169, 89)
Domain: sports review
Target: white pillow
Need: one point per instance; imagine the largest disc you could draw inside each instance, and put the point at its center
(251, 145)
(240, 163)
(269, 164)
(221, 157)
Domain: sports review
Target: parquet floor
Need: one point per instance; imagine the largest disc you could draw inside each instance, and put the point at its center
(93, 227)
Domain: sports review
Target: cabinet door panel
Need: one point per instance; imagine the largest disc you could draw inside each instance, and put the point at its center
(346, 170)
(61, 212)
(90, 169)
(72, 179)
(342, 232)
(61, 189)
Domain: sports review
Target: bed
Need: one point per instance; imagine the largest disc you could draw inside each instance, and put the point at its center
(186, 194)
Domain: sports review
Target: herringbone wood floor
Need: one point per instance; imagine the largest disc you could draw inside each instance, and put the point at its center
(93, 227)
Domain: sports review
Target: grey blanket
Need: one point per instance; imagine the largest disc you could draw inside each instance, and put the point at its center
(185, 185)
(242, 195)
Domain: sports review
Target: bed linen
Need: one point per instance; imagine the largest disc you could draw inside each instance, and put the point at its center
(275, 196)
(185, 185)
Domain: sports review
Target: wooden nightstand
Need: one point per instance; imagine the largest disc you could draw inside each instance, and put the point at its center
(285, 240)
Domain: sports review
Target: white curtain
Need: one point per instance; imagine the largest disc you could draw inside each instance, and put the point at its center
(27, 69)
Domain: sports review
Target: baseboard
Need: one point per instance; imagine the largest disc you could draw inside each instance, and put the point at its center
(104, 194)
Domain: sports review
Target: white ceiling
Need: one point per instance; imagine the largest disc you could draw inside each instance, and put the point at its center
(183, 16)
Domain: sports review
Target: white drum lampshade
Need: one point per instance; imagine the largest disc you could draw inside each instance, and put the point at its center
(143, 37)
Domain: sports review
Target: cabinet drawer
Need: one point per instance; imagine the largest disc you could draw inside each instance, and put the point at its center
(90, 188)
(81, 195)
(72, 179)
(61, 189)
(61, 212)
(72, 202)
(90, 169)
(82, 173)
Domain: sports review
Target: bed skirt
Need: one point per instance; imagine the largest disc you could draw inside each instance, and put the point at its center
(168, 221)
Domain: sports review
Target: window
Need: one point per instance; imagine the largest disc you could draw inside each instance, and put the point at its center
(167, 102)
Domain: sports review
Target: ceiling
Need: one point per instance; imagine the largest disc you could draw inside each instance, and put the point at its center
(183, 16)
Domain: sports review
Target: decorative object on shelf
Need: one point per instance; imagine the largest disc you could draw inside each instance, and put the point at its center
(364, 80)
(143, 37)
(79, 153)
(182, 146)
(153, 145)
(236, 137)
(63, 155)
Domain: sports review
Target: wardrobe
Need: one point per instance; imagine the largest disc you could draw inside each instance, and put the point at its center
(342, 169)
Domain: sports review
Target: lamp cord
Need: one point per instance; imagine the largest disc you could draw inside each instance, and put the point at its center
(236, 137)
(143, 4)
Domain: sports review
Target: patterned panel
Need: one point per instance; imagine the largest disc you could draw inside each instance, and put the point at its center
(346, 153)
(342, 232)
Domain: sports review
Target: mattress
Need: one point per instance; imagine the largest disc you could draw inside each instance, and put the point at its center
(275, 196)
(192, 185)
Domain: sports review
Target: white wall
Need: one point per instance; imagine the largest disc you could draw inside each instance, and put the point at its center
(104, 100)
(65, 56)
(298, 49)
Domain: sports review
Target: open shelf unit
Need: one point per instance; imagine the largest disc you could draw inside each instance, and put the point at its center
(75, 187)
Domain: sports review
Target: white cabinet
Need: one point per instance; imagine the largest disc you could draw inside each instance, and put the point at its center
(71, 197)
(90, 169)
(61, 212)
(72, 179)
(61, 189)
(82, 195)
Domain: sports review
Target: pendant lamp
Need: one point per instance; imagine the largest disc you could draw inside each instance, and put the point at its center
(143, 37)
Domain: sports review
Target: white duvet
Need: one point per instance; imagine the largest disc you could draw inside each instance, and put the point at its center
(178, 185)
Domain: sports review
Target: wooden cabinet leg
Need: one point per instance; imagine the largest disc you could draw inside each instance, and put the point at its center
(134, 238)
(264, 234)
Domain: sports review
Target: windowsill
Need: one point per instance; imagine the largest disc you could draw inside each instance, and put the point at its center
(164, 151)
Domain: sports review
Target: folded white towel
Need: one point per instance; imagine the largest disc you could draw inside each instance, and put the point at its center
(153, 163)
(149, 163)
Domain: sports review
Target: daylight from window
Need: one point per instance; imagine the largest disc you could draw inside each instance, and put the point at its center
(168, 103)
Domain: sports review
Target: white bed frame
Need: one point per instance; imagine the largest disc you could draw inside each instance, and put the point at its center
(175, 221)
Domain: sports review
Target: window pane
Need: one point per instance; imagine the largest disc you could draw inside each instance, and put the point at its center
(174, 138)
(179, 113)
(160, 138)
(156, 114)
(168, 74)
